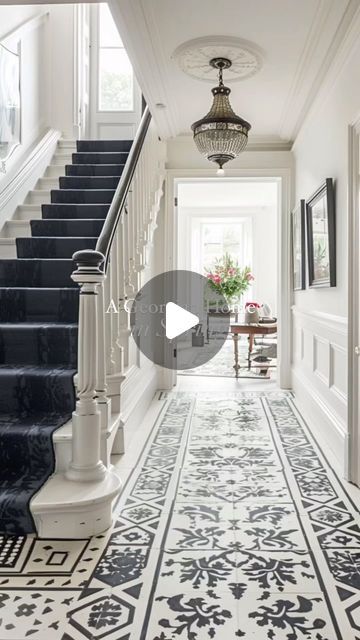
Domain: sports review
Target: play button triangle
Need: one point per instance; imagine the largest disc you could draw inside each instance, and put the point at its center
(178, 320)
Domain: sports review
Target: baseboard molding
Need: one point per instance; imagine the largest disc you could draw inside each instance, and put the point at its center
(326, 427)
(137, 392)
(22, 178)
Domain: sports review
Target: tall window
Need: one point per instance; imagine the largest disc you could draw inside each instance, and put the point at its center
(116, 79)
(218, 237)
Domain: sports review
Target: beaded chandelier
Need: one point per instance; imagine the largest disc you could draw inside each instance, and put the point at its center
(221, 135)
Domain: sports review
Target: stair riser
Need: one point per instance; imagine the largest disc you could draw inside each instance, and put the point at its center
(54, 171)
(98, 158)
(28, 212)
(52, 247)
(64, 145)
(71, 196)
(94, 169)
(74, 228)
(38, 197)
(62, 158)
(39, 305)
(46, 184)
(14, 229)
(96, 182)
(103, 145)
(36, 273)
(25, 392)
(7, 248)
(42, 346)
(76, 211)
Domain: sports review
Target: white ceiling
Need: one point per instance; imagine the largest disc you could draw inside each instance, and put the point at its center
(228, 193)
(299, 40)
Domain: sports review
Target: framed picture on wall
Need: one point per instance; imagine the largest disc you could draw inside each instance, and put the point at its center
(321, 239)
(298, 246)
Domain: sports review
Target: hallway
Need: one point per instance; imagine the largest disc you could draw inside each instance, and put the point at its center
(231, 524)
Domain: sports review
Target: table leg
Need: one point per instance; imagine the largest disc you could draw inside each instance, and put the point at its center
(236, 354)
(251, 346)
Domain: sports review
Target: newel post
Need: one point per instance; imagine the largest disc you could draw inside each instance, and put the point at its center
(86, 463)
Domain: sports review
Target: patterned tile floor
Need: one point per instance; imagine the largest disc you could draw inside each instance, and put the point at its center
(232, 525)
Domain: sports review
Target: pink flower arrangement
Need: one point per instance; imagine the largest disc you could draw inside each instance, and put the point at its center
(228, 279)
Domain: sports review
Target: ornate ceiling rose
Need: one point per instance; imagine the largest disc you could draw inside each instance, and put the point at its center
(193, 57)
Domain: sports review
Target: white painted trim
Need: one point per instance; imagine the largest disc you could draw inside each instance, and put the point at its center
(283, 176)
(353, 300)
(27, 168)
(341, 47)
(328, 320)
(137, 392)
(325, 425)
(306, 86)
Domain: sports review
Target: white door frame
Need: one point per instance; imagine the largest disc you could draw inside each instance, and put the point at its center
(283, 178)
(353, 303)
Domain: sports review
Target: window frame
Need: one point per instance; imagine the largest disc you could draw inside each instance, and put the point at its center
(98, 80)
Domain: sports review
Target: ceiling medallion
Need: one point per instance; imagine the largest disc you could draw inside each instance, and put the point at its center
(221, 135)
(193, 57)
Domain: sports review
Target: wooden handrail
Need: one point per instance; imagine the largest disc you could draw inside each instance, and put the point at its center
(117, 206)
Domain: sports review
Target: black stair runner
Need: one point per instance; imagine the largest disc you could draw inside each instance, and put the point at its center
(38, 325)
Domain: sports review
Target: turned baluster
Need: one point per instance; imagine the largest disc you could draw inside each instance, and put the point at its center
(115, 306)
(104, 403)
(123, 293)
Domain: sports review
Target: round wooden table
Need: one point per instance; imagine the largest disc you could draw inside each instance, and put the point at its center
(251, 330)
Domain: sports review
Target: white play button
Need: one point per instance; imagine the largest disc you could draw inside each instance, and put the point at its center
(178, 320)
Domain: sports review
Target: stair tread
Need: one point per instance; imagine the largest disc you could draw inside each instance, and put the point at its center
(37, 325)
(53, 238)
(33, 418)
(35, 369)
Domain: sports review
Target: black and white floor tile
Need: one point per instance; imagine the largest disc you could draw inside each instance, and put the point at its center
(231, 526)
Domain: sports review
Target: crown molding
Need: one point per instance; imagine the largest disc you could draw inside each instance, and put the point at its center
(344, 51)
(306, 85)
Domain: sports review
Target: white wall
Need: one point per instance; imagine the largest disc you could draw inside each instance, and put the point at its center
(320, 315)
(21, 25)
(46, 34)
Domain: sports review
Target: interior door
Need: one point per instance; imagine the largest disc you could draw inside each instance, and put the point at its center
(115, 97)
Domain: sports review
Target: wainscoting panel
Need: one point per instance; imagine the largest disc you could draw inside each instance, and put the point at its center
(319, 377)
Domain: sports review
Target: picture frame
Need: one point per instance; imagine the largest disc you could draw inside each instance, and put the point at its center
(298, 247)
(321, 236)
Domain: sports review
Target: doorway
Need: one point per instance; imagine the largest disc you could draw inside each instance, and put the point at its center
(262, 192)
(228, 227)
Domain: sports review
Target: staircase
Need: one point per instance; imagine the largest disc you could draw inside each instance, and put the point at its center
(39, 305)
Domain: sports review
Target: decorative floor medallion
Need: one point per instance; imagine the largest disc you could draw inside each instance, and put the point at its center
(232, 526)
